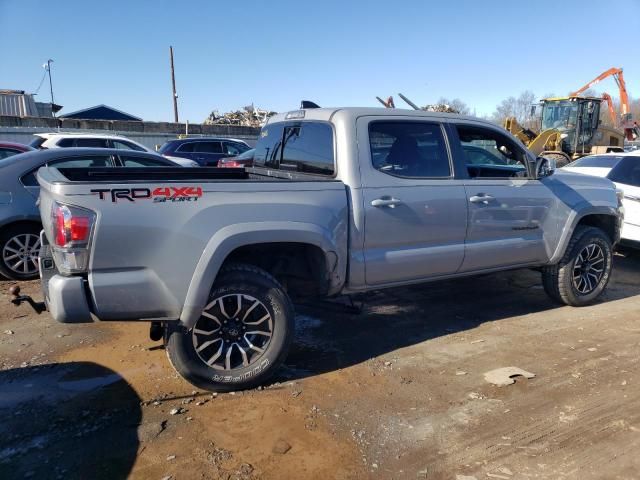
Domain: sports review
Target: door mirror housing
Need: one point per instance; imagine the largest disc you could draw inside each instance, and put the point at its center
(545, 166)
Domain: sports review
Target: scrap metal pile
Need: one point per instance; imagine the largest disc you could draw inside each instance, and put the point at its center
(438, 107)
(249, 116)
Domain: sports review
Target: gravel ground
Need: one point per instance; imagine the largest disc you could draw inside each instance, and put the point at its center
(395, 391)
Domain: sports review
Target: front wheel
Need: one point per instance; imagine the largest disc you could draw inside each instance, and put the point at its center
(584, 271)
(242, 336)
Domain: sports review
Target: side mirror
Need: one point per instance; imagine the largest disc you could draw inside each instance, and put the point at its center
(545, 166)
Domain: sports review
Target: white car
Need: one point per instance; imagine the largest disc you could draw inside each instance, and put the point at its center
(44, 141)
(624, 170)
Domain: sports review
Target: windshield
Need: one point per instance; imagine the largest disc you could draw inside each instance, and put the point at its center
(600, 161)
(561, 115)
(627, 171)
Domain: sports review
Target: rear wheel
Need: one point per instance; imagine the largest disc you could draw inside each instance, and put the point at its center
(19, 247)
(242, 336)
(584, 271)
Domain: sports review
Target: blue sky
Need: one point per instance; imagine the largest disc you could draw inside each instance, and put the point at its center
(337, 53)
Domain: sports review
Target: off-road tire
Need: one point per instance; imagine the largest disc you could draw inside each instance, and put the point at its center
(558, 281)
(233, 280)
(5, 237)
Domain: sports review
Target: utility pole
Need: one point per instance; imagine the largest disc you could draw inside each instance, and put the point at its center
(49, 62)
(173, 83)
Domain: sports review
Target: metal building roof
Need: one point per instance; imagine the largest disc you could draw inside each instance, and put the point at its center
(17, 103)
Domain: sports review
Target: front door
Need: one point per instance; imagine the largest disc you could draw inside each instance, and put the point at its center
(508, 208)
(415, 211)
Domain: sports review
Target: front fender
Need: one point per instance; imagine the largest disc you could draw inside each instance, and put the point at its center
(577, 214)
(229, 238)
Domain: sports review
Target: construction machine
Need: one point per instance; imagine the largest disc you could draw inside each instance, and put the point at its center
(570, 126)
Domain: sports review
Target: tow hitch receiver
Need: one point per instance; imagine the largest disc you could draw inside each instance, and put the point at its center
(17, 300)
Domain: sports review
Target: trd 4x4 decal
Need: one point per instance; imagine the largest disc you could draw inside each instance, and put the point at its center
(158, 194)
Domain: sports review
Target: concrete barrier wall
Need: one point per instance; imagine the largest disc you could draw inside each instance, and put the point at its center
(149, 134)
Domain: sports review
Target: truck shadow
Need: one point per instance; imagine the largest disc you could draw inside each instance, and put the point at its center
(329, 338)
(67, 420)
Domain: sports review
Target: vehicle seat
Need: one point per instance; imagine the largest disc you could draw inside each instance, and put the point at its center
(99, 162)
(404, 152)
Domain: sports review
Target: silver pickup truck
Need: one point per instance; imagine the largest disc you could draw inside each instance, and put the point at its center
(338, 201)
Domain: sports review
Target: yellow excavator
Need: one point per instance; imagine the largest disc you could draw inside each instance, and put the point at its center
(570, 126)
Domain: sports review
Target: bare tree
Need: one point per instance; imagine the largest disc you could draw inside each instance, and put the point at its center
(456, 104)
(518, 107)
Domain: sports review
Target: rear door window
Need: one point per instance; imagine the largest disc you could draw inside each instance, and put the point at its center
(124, 145)
(208, 147)
(89, 161)
(409, 149)
(186, 147)
(234, 149)
(130, 161)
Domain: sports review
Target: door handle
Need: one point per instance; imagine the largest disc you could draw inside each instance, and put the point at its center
(386, 202)
(481, 198)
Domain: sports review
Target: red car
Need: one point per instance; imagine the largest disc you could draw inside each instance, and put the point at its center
(8, 149)
(243, 160)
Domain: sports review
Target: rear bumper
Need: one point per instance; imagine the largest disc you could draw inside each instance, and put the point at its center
(66, 299)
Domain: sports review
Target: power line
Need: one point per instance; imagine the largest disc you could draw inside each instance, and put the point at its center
(44, 74)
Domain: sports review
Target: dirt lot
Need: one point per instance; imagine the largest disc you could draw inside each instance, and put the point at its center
(397, 391)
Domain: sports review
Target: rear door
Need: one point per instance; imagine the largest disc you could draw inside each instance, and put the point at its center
(207, 153)
(415, 210)
(508, 208)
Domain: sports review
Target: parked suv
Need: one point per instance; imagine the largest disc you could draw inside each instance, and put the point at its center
(205, 151)
(45, 141)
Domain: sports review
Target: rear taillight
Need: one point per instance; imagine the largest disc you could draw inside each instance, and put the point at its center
(71, 233)
(229, 164)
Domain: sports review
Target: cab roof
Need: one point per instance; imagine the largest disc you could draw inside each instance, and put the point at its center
(327, 114)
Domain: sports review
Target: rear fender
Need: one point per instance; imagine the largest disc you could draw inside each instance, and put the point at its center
(232, 237)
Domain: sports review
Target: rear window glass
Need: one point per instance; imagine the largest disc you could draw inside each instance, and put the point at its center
(627, 171)
(269, 147)
(305, 147)
(36, 142)
(601, 161)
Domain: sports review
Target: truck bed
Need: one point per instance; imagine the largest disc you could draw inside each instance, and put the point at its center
(161, 233)
(179, 174)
